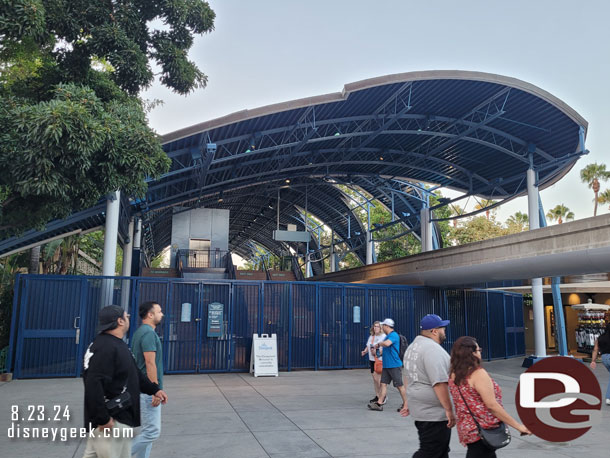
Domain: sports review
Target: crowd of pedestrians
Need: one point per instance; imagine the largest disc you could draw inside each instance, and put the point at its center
(442, 390)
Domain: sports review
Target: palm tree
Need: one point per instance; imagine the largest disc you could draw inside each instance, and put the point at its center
(591, 175)
(484, 203)
(559, 213)
(604, 197)
(519, 219)
(456, 210)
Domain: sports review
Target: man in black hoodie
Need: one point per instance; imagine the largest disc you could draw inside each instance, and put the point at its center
(109, 371)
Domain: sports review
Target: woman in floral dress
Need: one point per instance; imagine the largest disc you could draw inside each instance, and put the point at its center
(469, 382)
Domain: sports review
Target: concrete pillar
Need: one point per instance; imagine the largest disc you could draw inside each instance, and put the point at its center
(308, 271)
(113, 205)
(369, 248)
(537, 299)
(426, 230)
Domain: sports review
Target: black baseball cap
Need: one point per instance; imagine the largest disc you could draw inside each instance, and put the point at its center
(108, 316)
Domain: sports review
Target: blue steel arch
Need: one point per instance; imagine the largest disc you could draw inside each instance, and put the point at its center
(470, 131)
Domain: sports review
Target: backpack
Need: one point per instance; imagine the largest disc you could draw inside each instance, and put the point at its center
(404, 343)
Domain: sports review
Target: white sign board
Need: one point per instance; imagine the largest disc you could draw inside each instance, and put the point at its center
(263, 360)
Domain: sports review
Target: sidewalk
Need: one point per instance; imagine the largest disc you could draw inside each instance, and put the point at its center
(298, 414)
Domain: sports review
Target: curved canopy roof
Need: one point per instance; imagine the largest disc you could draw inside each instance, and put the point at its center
(469, 131)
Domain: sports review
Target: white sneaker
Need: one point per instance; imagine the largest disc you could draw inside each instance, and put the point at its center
(608, 402)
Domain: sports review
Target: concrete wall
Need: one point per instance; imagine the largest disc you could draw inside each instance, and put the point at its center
(202, 223)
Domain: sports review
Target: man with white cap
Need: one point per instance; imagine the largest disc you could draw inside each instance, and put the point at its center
(427, 371)
(392, 365)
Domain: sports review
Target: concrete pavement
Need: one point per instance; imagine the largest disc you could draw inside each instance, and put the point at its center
(298, 414)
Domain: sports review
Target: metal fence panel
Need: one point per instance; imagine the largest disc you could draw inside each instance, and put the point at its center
(356, 326)
(215, 352)
(497, 334)
(456, 313)
(401, 311)
(330, 324)
(477, 322)
(246, 299)
(48, 344)
(276, 317)
(182, 336)
(303, 333)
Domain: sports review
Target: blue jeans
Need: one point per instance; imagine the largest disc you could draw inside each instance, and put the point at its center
(606, 362)
(150, 418)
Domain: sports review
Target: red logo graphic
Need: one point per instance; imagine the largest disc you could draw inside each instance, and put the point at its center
(558, 399)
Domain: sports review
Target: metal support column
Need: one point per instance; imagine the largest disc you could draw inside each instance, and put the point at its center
(426, 230)
(369, 247)
(137, 243)
(128, 250)
(537, 298)
(333, 265)
(126, 268)
(113, 205)
(560, 323)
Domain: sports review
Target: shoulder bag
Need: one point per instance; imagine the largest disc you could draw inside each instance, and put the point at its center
(118, 403)
(494, 438)
(378, 364)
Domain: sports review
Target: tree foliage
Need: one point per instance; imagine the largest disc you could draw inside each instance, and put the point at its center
(592, 174)
(476, 229)
(518, 222)
(130, 35)
(560, 213)
(72, 128)
(604, 197)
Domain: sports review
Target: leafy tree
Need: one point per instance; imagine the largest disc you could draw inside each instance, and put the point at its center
(559, 213)
(476, 229)
(591, 175)
(9, 267)
(72, 128)
(517, 222)
(604, 197)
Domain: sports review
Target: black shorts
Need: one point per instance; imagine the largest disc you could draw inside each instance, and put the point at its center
(372, 366)
(393, 374)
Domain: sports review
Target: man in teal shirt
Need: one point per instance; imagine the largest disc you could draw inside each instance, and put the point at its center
(146, 348)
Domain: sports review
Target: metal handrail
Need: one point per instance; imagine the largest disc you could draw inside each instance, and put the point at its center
(201, 259)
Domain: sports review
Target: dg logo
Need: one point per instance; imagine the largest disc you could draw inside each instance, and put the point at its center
(559, 399)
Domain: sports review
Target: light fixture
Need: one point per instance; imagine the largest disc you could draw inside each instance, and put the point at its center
(287, 181)
(337, 134)
(381, 158)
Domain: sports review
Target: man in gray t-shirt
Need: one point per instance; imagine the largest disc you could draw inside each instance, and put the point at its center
(426, 366)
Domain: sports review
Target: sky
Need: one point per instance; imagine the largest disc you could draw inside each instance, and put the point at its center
(269, 51)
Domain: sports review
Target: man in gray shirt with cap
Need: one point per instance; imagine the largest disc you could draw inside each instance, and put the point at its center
(426, 365)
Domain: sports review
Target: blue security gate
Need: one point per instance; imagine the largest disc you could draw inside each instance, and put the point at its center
(318, 325)
(49, 341)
